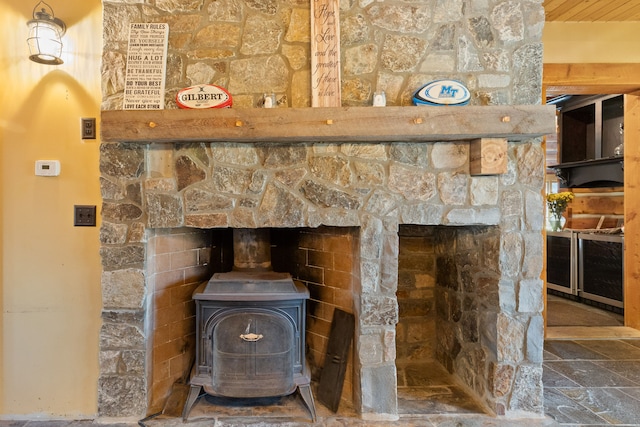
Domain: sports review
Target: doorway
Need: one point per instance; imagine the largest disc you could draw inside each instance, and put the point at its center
(592, 79)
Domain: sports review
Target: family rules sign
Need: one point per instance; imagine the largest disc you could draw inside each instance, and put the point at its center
(146, 66)
(325, 53)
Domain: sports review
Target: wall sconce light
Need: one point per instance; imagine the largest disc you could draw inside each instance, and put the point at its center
(45, 33)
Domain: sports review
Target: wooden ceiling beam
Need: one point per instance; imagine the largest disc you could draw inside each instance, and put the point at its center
(590, 79)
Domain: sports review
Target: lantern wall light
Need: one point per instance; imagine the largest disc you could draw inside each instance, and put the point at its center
(45, 35)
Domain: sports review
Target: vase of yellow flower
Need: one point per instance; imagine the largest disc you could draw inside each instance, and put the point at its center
(557, 203)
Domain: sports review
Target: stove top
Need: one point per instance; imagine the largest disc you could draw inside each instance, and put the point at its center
(251, 286)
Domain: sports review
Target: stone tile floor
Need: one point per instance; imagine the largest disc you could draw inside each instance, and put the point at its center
(566, 312)
(593, 382)
(588, 382)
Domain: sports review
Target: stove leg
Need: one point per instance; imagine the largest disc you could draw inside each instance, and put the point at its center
(305, 392)
(194, 393)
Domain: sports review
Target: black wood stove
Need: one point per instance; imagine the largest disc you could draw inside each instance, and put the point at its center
(250, 329)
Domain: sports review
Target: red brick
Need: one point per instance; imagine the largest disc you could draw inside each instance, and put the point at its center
(180, 366)
(168, 279)
(171, 314)
(182, 293)
(343, 262)
(338, 279)
(320, 327)
(161, 299)
(169, 350)
(311, 274)
(189, 308)
(162, 263)
(321, 293)
(160, 370)
(311, 240)
(173, 331)
(320, 259)
(197, 274)
(344, 299)
(339, 245)
(168, 244)
(184, 259)
(324, 311)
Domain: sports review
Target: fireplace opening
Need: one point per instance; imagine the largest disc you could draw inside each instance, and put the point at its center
(323, 259)
(447, 298)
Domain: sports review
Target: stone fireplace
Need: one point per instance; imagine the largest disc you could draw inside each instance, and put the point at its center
(343, 184)
(499, 351)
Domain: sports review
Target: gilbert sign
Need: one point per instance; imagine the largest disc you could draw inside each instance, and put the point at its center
(204, 96)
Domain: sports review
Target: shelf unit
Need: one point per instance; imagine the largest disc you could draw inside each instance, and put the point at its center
(590, 129)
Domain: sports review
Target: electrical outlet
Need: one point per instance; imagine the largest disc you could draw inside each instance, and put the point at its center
(84, 216)
(88, 127)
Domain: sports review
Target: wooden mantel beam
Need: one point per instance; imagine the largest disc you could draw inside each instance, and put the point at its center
(341, 124)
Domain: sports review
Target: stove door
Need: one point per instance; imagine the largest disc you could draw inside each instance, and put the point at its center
(253, 354)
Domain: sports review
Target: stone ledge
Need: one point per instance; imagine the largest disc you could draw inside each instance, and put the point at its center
(341, 124)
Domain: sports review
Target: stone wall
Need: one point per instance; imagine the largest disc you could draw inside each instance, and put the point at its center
(416, 329)
(484, 330)
(381, 186)
(252, 47)
(262, 46)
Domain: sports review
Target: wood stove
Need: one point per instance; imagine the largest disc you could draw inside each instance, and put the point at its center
(250, 329)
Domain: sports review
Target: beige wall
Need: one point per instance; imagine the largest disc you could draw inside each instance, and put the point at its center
(574, 42)
(50, 279)
(50, 270)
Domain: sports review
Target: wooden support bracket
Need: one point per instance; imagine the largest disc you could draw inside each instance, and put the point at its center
(488, 156)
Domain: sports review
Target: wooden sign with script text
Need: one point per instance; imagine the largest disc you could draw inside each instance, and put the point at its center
(325, 53)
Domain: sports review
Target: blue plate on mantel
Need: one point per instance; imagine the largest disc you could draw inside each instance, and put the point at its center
(442, 93)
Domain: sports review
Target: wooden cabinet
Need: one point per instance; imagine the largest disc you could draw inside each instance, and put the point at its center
(590, 128)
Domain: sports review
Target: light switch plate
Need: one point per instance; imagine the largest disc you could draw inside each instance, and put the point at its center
(47, 167)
